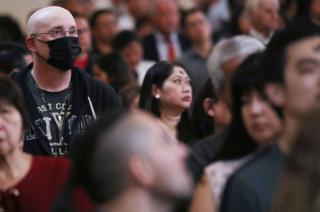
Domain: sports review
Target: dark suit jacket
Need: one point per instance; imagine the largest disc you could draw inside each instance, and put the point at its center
(253, 187)
(150, 47)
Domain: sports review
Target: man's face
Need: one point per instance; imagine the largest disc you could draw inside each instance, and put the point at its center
(56, 25)
(266, 17)
(302, 77)
(106, 27)
(167, 17)
(198, 27)
(133, 54)
(85, 38)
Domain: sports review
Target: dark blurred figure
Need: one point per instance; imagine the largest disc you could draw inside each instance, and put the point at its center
(10, 30)
(129, 96)
(85, 58)
(129, 152)
(103, 25)
(112, 69)
(197, 28)
(165, 42)
(203, 113)
(130, 47)
(13, 57)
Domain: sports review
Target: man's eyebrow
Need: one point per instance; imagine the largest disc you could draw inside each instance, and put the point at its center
(56, 27)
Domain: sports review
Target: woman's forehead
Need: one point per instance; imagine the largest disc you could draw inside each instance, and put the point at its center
(177, 70)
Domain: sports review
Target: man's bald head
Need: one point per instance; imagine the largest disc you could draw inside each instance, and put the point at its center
(45, 17)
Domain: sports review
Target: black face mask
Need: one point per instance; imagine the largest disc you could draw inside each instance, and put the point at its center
(63, 52)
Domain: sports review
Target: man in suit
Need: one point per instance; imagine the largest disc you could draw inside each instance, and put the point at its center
(165, 43)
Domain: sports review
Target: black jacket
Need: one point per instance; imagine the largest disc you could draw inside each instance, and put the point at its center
(150, 48)
(84, 87)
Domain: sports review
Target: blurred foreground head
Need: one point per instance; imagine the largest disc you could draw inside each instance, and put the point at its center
(124, 162)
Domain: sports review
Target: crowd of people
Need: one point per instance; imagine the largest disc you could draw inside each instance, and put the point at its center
(148, 106)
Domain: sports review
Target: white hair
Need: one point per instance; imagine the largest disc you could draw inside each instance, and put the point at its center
(235, 47)
(251, 5)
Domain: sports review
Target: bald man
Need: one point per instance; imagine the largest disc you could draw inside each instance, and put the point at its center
(133, 156)
(62, 100)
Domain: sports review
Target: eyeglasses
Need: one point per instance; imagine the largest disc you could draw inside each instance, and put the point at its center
(60, 33)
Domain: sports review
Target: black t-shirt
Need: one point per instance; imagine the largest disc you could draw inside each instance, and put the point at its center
(56, 119)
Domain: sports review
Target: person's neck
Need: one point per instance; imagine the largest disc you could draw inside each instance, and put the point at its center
(291, 128)
(137, 200)
(49, 78)
(170, 119)
(103, 47)
(13, 167)
(203, 48)
(263, 32)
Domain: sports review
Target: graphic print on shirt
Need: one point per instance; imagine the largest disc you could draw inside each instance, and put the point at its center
(56, 124)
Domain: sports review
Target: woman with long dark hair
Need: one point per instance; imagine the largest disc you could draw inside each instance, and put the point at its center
(166, 92)
(255, 124)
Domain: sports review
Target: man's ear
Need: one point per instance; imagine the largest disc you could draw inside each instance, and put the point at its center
(208, 106)
(275, 94)
(30, 43)
(141, 171)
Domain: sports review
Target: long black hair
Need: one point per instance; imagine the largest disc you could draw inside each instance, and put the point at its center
(247, 78)
(202, 123)
(157, 75)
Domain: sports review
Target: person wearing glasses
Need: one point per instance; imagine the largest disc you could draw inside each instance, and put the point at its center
(62, 100)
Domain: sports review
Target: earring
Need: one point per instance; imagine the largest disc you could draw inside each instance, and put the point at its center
(157, 96)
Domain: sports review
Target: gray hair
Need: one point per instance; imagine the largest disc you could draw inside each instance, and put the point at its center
(251, 5)
(235, 47)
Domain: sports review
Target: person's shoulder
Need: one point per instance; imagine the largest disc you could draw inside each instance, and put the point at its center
(209, 143)
(262, 163)
(202, 154)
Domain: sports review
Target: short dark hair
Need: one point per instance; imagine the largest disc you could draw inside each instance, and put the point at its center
(94, 17)
(123, 39)
(186, 15)
(275, 57)
(12, 57)
(10, 93)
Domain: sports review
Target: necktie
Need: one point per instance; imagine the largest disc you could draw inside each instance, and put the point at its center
(171, 54)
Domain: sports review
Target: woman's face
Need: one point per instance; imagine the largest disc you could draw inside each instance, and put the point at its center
(11, 128)
(176, 91)
(260, 119)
